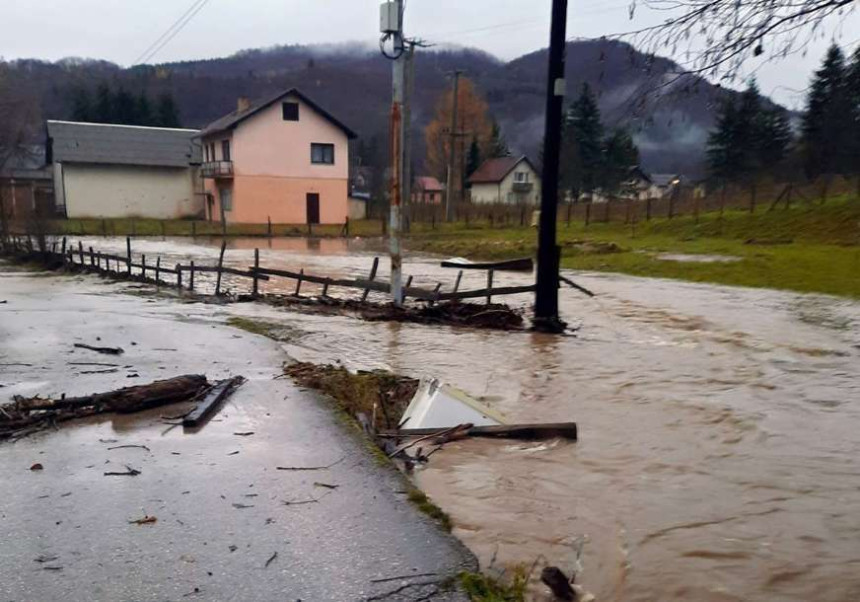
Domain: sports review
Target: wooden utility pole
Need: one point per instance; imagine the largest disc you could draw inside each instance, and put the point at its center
(546, 298)
(449, 194)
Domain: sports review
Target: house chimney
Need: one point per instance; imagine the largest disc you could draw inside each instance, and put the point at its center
(243, 103)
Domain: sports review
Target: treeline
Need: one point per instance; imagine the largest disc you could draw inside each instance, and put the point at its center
(755, 140)
(122, 107)
(593, 161)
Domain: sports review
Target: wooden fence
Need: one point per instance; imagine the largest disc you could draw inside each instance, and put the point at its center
(124, 266)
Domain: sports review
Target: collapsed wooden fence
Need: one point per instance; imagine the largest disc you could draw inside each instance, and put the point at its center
(183, 276)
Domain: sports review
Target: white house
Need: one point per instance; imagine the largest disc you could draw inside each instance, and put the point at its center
(115, 171)
(511, 180)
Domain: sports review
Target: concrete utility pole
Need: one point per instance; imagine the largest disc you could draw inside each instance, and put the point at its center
(449, 185)
(391, 26)
(407, 134)
(546, 297)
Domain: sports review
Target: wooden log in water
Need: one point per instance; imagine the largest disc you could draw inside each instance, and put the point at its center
(532, 432)
(212, 401)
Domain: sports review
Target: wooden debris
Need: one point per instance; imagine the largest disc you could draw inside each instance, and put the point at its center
(326, 485)
(130, 472)
(105, 350)
(37, 466)
(534, 432)
(271, 559)
(212, 401)
(146, 520)
(310, 467)
(130, 446)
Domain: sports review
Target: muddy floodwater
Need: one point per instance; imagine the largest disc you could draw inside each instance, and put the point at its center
(719, 452)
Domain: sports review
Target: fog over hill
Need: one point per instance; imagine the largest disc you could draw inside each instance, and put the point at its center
(354, 82)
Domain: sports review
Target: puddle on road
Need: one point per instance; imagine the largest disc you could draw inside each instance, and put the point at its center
(718, 452)
(697, 258)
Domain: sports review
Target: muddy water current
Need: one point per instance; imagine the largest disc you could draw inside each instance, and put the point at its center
(719, 452)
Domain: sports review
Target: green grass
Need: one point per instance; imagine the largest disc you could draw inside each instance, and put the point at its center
(811, 248)
(420, 500)
(482, 588)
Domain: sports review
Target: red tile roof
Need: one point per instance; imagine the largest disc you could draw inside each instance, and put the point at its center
(495, 170)
(428, 184)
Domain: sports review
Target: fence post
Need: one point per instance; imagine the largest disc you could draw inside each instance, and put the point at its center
(92, 258)
(178, 277)
(157, 270)
(220, 265)
(299, 282)
(64, 249)
(587, 214)
(255, 290)
(81, 252)
(143, 266)
(457, 282)
(371, 278)
(269, 226)
(128, 252)
(191, 276)
(408, 284)
(490, 286)
(346, 226)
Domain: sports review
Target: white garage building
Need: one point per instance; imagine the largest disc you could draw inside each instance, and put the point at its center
(118, 171)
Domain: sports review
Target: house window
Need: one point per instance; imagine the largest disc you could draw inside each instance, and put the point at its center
(212, 151)
(322, 153)
(521, 176)
(226, 195)
(290, 111)
(225, 150)
(206, 153)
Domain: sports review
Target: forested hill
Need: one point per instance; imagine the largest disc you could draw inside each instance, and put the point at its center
(354, 82)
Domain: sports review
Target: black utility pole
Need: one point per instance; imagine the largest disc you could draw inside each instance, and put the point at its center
(546, 299)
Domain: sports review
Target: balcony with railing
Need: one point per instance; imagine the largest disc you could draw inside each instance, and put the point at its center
(522, 187)
(217, 169)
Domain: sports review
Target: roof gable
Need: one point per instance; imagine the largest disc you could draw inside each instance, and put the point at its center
(232, 120)
(495, 170)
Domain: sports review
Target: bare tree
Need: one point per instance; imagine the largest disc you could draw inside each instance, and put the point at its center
(717, 37)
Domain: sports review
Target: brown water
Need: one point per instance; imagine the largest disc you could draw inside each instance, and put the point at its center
(719, 430)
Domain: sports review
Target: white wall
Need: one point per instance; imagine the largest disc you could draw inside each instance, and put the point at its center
(130, 191)
(503, 192)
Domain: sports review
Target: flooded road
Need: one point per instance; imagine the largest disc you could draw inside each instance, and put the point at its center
(719, 455)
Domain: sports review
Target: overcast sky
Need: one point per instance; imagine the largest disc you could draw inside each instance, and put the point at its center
(122, 30)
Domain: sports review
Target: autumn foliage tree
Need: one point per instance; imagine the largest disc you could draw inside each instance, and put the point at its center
(474, 124)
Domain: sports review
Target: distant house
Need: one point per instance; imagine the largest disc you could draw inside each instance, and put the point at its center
(511, 180)
(26, 183)
(112, 171)
(665, 184)
(282, 158)
(427, 189)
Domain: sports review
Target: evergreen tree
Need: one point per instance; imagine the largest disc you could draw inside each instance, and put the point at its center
(827, 121)
(103, 110)
(620, 156)
(498, 145)
(473, 161)
(775, 138)
(125, 108)
(167, 115)
(722, 147)
(82, 105)
(583, 145)
(852, 84)
(143, 109)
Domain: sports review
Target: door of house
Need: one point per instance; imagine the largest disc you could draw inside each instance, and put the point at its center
(313, 208)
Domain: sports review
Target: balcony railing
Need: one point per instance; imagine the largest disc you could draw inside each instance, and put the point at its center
(217, 169)
(522, 187)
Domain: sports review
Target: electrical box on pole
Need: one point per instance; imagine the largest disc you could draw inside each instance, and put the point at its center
(389, 17)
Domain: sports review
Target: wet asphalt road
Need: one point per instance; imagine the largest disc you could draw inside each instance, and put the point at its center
(228, 523)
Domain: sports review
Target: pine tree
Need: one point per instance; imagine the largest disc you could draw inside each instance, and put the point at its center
(103, 110)
(473, 160)
(143, 108)
(722, 147)
(125, 109)
(775, 138)
(852, 85)
(583, 156)
(82, 105)
(827, 136)
(620, 156)
(498, 146)
(167, 115)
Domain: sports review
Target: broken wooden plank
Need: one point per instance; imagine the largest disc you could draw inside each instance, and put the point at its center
(212, 401)
(535, 432)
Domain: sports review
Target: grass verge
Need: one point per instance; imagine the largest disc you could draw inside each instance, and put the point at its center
(483, 588)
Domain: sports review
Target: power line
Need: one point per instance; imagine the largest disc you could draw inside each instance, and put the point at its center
(171, 31)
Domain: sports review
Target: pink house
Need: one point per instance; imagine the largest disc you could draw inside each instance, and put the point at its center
(427, 189)
(283, 158)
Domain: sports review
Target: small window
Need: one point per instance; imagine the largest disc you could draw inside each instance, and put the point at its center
(226, 195)
(225, 150)
(291, 111)
(322, 153)
(521, 176)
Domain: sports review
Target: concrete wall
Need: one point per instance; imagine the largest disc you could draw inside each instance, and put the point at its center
(129, 191)
(273, 171)
(502, 192)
